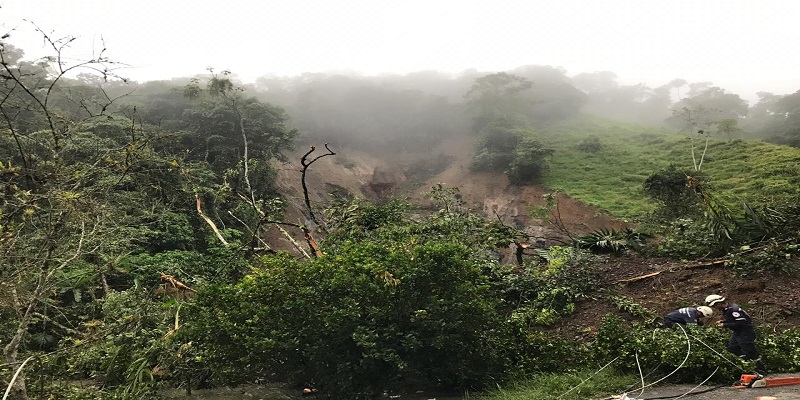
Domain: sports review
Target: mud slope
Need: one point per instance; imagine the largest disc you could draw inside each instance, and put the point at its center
(411, 176)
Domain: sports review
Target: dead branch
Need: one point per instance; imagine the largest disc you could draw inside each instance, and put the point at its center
(306, 164)
(640, 277)
(312, 243)
(175, 283)
(54, 322)
(252, 233)
(210, 222)
(291, 239)
(712, 263)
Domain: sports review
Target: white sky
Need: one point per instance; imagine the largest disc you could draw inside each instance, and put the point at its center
(744, 46)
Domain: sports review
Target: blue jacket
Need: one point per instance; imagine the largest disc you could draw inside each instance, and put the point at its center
(684, 316)
(736, 319)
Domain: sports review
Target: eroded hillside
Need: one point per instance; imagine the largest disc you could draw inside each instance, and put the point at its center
(412, 175)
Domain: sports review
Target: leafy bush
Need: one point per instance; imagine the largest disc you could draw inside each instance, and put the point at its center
(353, 218)
(611, 241)
(772, 257)
(498, 143)
(590, 144)
(121, 348)
(530, 351)
(559, 256)
(544, 295)
(531, 161)
(669, 188)
(780, 351)
(684, 238)
(216, 264)
(668, 349)
(367, 318)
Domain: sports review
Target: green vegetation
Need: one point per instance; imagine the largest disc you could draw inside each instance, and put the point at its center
(578, 385)
(135, 251)
(612, 177)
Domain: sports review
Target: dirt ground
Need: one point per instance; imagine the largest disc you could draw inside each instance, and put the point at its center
(411, 177)
(670, 284)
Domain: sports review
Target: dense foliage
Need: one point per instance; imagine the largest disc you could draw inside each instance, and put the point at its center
(96, 205)
(418, 304)
(687, 353)
(134, 253)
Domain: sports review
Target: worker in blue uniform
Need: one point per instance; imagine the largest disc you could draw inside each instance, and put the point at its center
(743, 340)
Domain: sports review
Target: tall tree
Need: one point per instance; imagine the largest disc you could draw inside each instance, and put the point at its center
(787, 127)
(238, 136)
(709, 111)
(497, 97)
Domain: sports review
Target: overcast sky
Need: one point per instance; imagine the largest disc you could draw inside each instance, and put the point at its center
(742, 46)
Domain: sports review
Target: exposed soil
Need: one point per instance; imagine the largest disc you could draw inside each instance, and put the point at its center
(768, 298)
(674, 284)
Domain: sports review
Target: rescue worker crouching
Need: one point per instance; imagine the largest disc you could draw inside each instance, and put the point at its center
(742, 341)
(688, 316)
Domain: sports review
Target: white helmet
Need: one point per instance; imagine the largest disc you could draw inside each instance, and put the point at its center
(714, 299)
(706, 311)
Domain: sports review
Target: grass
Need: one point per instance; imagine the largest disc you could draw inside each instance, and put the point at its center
(611, 178)
(566, 386)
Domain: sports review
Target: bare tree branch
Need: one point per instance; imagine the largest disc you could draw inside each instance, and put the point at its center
(210, 222)
(306, 164)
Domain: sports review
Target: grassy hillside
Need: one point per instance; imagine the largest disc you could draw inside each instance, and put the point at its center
(611, 178)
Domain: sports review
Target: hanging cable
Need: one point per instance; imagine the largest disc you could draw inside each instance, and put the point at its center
(590, 377)
(688, 351)
(639, 366)
(700, 384)
(738, 366)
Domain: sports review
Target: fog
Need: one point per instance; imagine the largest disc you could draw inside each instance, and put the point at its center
(376, 73)
(736, 44)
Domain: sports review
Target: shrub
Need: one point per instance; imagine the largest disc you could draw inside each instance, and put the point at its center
(544, 296)
(530, 163)
(687, 238)
(590, 144)
(667, 350)
(355, 323)
(669, 188)
(630, 306)
(780, 351)
(773, 257)
(612, 241)
(496, 146)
